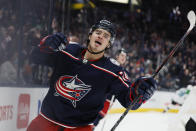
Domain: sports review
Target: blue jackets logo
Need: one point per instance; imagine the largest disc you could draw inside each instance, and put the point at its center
(71, 88)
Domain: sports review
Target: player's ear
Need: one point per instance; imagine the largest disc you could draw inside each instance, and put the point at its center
(89, 37)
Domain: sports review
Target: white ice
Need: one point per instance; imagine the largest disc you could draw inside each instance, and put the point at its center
(151, 121)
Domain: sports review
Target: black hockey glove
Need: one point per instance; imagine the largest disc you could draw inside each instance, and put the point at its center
(144, 87)
(55, 42)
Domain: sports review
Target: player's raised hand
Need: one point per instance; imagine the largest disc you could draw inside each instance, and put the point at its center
(143, 87)
(55, 42)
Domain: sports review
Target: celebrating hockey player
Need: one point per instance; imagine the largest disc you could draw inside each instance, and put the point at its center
(82, 78)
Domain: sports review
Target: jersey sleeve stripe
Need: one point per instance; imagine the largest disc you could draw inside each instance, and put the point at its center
(123, 82)
(104, 70)
(100, 68)
(70, 55)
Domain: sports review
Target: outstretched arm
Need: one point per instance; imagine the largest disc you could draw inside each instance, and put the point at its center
(53, 43)
(45, 53)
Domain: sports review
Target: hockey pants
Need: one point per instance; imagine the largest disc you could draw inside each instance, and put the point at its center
(41, 124)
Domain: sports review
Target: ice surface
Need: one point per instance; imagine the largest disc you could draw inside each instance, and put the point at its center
(151, 121)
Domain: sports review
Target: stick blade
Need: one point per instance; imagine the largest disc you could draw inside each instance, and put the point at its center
(192, 18)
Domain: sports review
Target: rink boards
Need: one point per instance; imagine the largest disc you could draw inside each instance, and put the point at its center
(18, 106)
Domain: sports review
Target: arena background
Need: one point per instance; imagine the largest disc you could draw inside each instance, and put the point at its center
(147, 29)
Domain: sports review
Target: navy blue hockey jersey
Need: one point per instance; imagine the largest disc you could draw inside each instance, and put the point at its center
(78, 88)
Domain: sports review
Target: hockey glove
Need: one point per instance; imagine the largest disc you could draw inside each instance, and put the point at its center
(55, 42)
(143, 87)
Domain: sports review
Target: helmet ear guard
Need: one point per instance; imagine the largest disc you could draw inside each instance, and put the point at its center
(108, 46)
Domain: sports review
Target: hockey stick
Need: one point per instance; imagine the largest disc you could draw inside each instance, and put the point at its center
(191, 18)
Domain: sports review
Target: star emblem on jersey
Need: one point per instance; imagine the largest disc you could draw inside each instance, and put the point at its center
(71, 88)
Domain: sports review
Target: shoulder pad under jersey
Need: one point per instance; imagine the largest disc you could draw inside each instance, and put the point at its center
(114, 62)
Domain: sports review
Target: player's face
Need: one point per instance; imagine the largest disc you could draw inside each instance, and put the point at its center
(121, 58)
(99, 40)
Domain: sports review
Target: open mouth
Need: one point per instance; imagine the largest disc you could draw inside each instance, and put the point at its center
(97, 42)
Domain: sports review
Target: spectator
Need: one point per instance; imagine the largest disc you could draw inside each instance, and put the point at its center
(8, 70)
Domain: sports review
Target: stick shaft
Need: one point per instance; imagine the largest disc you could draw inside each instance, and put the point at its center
(171, 53)
(125, 113)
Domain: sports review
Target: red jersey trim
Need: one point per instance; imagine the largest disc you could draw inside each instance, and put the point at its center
(70, 55)
(56, 122)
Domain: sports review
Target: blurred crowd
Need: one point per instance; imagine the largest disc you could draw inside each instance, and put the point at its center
(137, 32)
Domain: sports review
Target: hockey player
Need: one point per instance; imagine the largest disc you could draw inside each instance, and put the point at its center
(178, 99)
(185, 120)
(82, 78)
(188, 110)
(121, 57)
